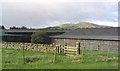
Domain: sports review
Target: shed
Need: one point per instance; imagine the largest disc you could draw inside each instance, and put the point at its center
(12, 37)
(90, 39)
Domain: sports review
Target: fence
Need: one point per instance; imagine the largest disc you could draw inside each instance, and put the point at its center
(72, 50)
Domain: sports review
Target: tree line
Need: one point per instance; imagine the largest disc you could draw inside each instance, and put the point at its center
(14, 27)
(24, 27)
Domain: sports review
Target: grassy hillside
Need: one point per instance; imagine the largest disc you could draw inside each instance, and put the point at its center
(72, 26)
(81, 25)
(13, 59)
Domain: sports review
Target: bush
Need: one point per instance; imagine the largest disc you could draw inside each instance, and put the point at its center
(40, 37)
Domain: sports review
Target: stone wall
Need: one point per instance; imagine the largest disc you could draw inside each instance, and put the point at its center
(29, 46)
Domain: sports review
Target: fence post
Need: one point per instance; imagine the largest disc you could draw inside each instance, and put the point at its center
(65, 47)
(59, 49)
(108, 49)
(78, 48)
(54, 61)
(23, 45)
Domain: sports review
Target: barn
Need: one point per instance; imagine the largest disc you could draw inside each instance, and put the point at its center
(21, 35)
(103, 39)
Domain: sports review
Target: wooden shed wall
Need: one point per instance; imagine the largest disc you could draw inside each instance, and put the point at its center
(102, 45)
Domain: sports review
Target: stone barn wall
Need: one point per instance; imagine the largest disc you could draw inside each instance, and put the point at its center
(101, 45)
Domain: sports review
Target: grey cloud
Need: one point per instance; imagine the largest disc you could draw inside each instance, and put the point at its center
(48, 14)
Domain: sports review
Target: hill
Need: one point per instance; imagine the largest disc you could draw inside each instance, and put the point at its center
(81, 25)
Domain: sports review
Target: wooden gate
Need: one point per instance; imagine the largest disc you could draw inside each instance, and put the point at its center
(72, 50)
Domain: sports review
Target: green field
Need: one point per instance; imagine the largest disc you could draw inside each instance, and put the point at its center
(13, 59)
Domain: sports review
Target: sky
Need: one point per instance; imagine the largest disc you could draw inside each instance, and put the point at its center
(45, 13)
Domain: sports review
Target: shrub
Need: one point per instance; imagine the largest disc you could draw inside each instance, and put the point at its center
(40, 37)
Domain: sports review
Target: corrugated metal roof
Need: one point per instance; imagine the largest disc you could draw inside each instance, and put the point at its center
(92, 33)
(10, 35)
(19, 30)
(100, 37)
(95, 31)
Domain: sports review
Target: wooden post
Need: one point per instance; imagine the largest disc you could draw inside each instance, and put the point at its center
(65, 47)
(59, 48)
(78, 48)
(23, 54)
(108, 49)
(54, 61)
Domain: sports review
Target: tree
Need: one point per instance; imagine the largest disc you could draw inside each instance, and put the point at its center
(14, 27)
(40, 37)
(23, 27)
(2, 27)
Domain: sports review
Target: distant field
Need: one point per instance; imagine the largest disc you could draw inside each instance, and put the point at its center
(13, 59)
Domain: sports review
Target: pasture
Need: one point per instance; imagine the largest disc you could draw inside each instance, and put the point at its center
(13, 59)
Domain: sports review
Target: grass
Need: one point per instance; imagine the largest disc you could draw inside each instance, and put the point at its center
(13, 59)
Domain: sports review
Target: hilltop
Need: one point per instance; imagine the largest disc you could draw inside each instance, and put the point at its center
(73, 26)
(81, 25)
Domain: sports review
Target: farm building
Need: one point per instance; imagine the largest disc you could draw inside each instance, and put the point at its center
(20, 35)
(104, 39)
(16, 35)
(14, 38)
